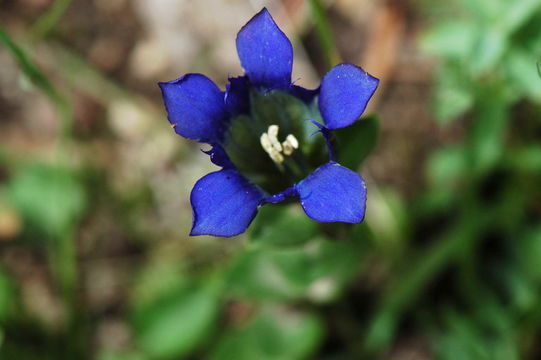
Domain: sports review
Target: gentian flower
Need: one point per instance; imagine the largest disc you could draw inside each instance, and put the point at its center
(270, 136)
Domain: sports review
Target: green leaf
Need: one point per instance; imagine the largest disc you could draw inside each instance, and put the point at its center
(50, 199)
(277, 225)
(520, 67)
(446, 167)
(7, 296)
(324, 33)
(482, 10)
(486, 335)
(528, 251)
(175, 325)
(489, 48)
(108, 355)
(357, 141)
(454, 94)
(526, 158)
(275, 333)
(317, 271)
(454, 39)
(514, 14)
(36, 76)
(486, 142)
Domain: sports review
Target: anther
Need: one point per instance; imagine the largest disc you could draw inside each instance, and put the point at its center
(290, 144)
(276, 156)
(291, 139)
(273, 147)
(265, 142)
(273, 137)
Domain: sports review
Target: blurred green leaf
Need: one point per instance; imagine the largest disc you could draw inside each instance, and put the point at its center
(275, 333)
(454, 94)
(482, 10)
(7, 296)
(520, 67)
(324, 33)
(176, 324)
(526, 158)
(50, 199)
(514, 14)
(446, 167)
(357, 141)
(158, 279)
(275, 225)
(32, 71)
(486, 335)
(529, 252)
(109, 355)
(486, 142)
(453, 39)
(489, 47)
(506, 15)
(319, 270)
(46, 22)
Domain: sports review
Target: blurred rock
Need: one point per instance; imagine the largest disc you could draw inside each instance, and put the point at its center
(113, 334)
(148, 61)
(10, 224)
(108, 53)
(199, 36)
(127, 120)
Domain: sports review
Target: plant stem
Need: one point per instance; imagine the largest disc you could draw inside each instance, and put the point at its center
(324, 34)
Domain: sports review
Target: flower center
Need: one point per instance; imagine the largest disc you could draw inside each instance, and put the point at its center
(273, 147)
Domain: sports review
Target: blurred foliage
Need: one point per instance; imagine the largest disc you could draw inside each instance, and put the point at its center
(453, 267)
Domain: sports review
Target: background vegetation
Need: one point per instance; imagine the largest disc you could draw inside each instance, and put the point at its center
(95, 260)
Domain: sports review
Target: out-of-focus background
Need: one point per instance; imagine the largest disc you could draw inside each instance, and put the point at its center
(95, 257)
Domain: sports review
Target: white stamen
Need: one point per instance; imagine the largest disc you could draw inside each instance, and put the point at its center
(276, 156)
(288, 149)
(271, 145)
(292, 140)
(273, 131)
(273, 137)
(265, 142)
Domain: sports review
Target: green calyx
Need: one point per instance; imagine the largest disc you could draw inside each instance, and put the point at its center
(291, 116)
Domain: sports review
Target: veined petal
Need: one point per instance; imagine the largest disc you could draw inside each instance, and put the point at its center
(344, 93)
(333, 193)
(195, 107)
(224, 203)
(265, 52)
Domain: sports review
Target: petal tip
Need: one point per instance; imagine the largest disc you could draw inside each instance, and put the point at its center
(224, 204)
(265, 52)
(345, 92)
(333, 193)
(195, 106)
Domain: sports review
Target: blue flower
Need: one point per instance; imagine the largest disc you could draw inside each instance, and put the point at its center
(243, 123)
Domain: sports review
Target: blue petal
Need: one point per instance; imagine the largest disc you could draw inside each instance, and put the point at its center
(344, 94)
(237, 96)
(195, 107)
(219, 157)
(224, 203)
(281, 196)
(265, 52)
(333, 193)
